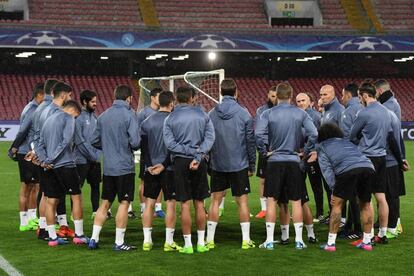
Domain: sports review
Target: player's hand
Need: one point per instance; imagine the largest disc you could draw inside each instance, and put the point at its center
(47, 166)
(405, 166)
(14, 150)
(250, 174)
(156, 170)
(301, 154)
(29, 156)
(194, 165)
(312, 157)
(36, 161)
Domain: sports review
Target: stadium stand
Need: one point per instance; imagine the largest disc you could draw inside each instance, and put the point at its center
(401, 17)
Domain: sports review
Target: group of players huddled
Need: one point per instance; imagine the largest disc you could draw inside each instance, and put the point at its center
(352, 152)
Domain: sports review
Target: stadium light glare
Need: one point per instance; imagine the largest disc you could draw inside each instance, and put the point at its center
(48, 56)
(279, 58)
(212, 56)
(104, 58)
(181, 57)
(302, 59)
(151, 58)
(25, 54)
(400, 60)
(160, 55)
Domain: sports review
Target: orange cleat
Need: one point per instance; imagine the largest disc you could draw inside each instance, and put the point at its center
(65, 231)
(261, 214)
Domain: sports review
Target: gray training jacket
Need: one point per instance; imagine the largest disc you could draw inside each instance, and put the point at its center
(337, 156)
(234, 148)
(332, 112)
(84, 128)
(188, 132)
(117, 135)
(280, 130)
(315, 116)
(349, 115)
(46, 113)
(23, 138)
(144, 114)
(393, 105)
(35, 129)
(56, 140)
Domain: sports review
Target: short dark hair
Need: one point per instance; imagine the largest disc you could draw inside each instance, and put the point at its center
(284, 91)
(352, 88)
(272, 88)
(72, 104)
(311, 98)
(154, 92)
(61, 87)
(367, 88)
(49, 85)
(87, 96)
(329, 130)
(165, 98)
(381, 82)
(38, 88)
(122, 92)
(228, 87)
(184, 94)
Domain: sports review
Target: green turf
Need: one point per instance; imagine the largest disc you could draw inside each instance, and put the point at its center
(33, 257)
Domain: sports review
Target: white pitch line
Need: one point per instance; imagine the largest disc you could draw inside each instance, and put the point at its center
(8, 268)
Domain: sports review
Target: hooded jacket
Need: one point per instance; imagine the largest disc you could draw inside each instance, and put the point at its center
(349, 115)
(84, 128)
(332, 112)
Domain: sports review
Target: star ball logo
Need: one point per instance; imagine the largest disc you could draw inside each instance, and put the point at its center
(366, 43)
(45, 38)
(209, 41)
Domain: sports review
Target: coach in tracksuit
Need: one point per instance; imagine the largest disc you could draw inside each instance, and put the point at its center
(87, 157)
(278, 136)
(233, 159)
(189, 136)
(158, 174)
(56, 156)
(117, 135)
(348, 173)
(370, 132)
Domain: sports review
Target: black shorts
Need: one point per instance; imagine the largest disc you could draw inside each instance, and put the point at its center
(401, 188)
(61, 181)
(283, 177)
(91, 172)
(190, 184)
(356, 182)
(237, 181)
(304, 198)
(42, 179)
(122, 186)
(29, 172)
(153, 184)
(261, 167)
(393, 181)
(141, 168)
(380, 183)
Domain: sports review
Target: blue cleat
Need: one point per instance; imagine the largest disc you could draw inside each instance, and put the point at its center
(267, 245)
(160, 214)
(58, 241)
(300, 245)
(92, 245)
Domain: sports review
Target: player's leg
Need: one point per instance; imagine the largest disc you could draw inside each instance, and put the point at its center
(334, 221)
(213, 217)
(383, 212)
(315, 179)
(147, 218)
(261, 173)
(221, 206)
(62, 219)
(23, 200)
(158, 207)
(186, 226)
(284, 220)
(271, 204)
(200, 217)
(170, 221)
(308, 221)
(244, 215)
(297, 218)
(32, 204)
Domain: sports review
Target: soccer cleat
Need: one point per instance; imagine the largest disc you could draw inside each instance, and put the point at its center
(210, 245)
(221, 212)
(202, 248)
(364, 246)
(282, 242)
(80, 239)
(34, 223)
(267, 245)
(57, 241)
(391, 236)
(92, 245)
(160, 214)
(171, 247)
(261, 214)
(300, 245)
(25, 228)
(355, 243)
(312, 240)
(147, 246)
(318, 219)
(324, 220)
(123, 247)
(399, 228)
(65, 231)
(43, 235)
(383, 240)
(248, 244)
(187, 250)
(328, 247)
(131, 215)
(108, 215)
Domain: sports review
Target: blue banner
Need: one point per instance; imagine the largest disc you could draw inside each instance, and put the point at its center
(203, 41)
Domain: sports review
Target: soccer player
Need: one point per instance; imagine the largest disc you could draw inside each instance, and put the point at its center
(386, 97)
(303, 101)
(233, 160)
(348, 173)
(55, 153)
(189, 136)
(158, 173)
(29, 173)
(261, 165)
(277, 137)
(117, 135)
(142, 115)
(87, 157)
(370, 132)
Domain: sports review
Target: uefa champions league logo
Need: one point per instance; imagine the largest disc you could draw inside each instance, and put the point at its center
(209, 41)
(45, 38)
(128, 39)
(366, 43)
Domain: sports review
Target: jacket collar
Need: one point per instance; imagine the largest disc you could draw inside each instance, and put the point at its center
(353, 101)
(121, 103)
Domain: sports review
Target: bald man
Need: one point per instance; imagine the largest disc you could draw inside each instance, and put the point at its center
(332, 108)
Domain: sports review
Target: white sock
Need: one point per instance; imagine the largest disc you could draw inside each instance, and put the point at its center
(95, 232)
(263, 203)
(42, 222)
(392, 230)
(382, 232)
(270, 231)
(130, 207)
(398, 221)
(142, 207)
(187, 241)
(309, 229)
(298, 231)
(367, 238)
(158, 207)
(31, 213)
(245, 227)
(222, 203)
(200, 237)
(331, 239)
(343, 220)
(78, 227)
(147, 234)
(52, 232)
(169, 235)
(110, 211)
(23, 218)
(211, 230)
(372, 232)
(285, 231)
(119, 236)
(62, 220)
